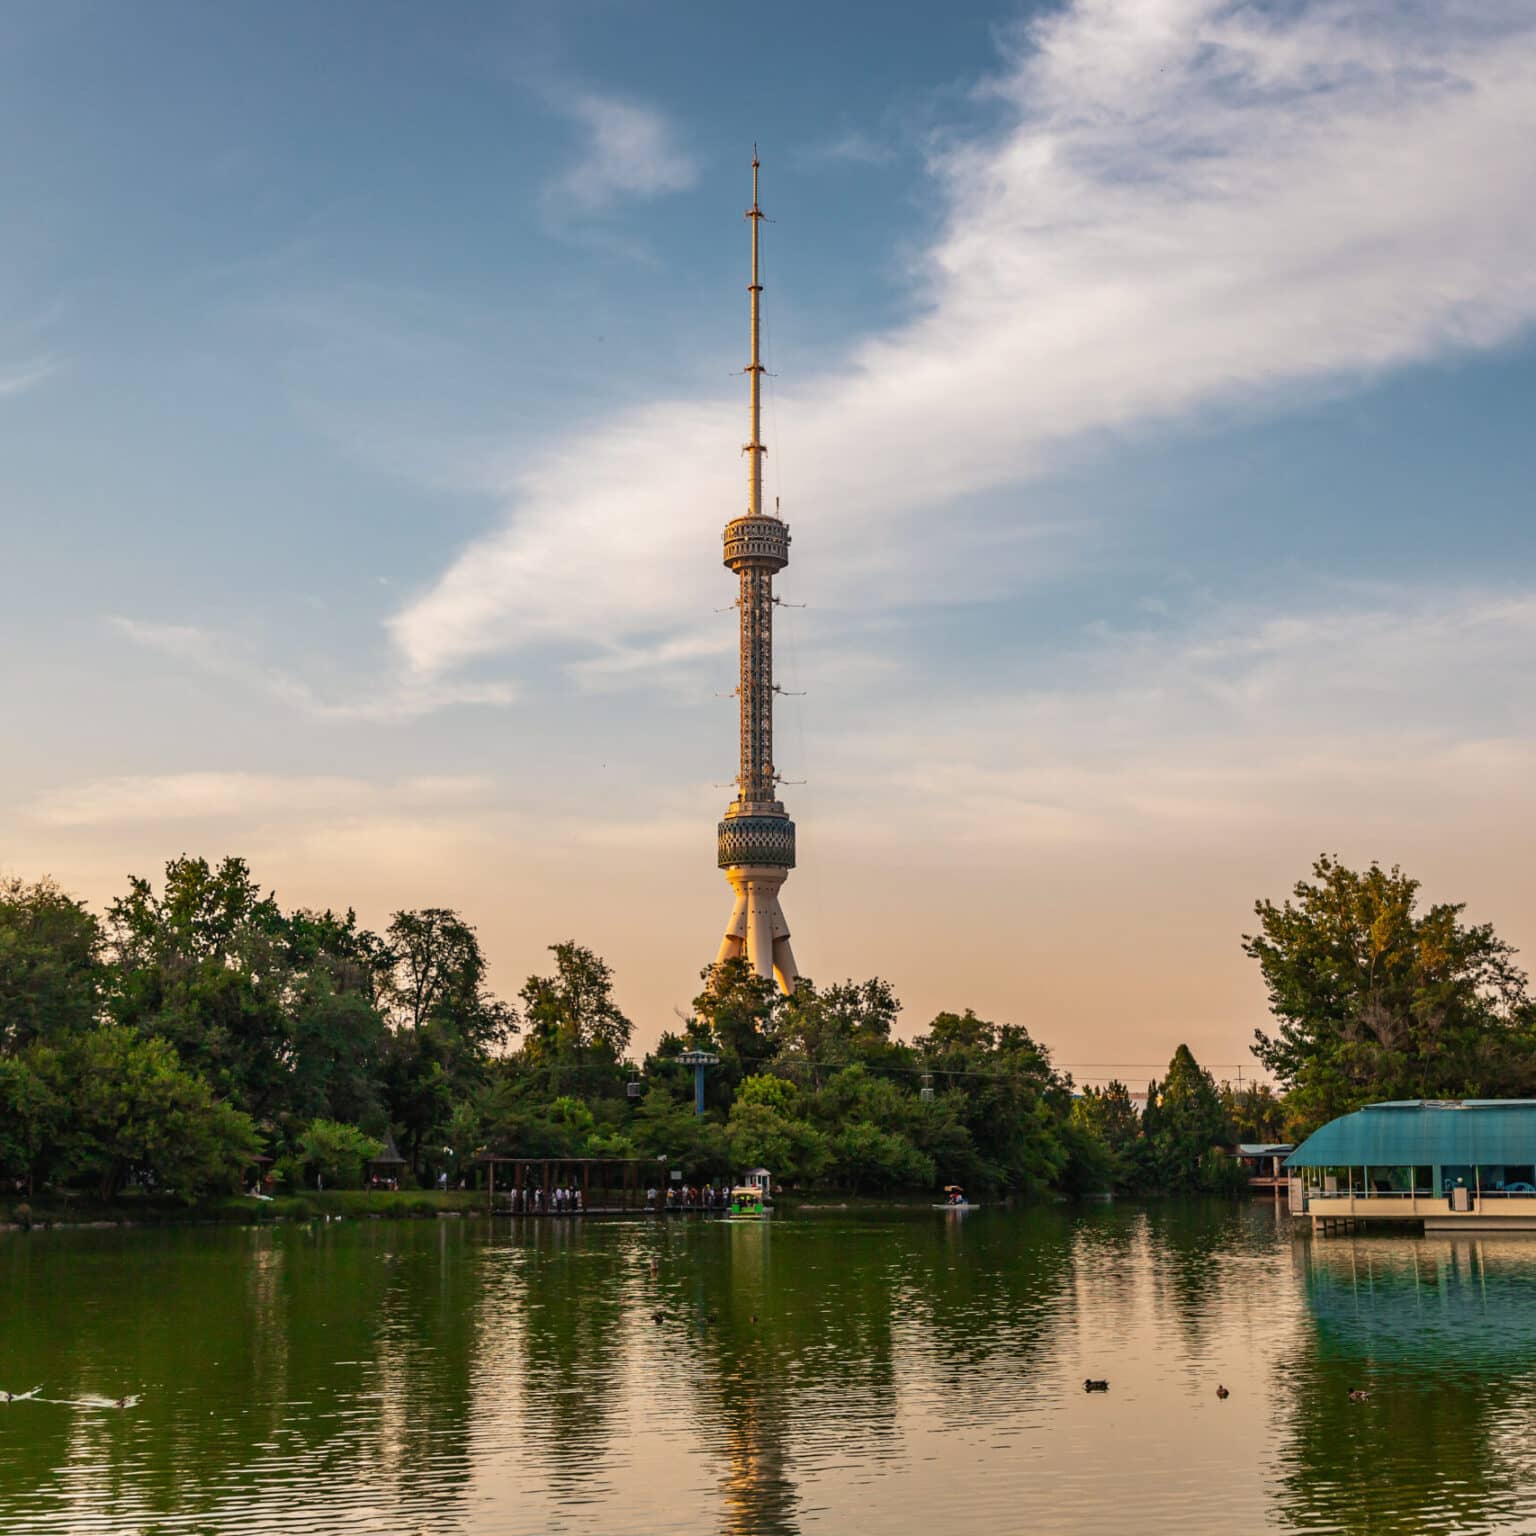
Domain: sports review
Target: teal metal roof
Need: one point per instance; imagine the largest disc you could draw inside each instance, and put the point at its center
(1418, 1132)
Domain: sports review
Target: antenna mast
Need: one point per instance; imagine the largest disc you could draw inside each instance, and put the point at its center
(755, 367)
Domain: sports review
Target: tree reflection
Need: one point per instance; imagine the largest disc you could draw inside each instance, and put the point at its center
(1441, 1332)
(289, 1368)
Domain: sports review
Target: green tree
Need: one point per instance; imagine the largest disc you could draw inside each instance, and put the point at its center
(665, 1128)
(1189, 1123)
(573, 1012)
(134, 1109)
(436, 976)
(1016, 1105)
(51, 964)
(775, 1093)
(851, 1022)
(335, 1155)
(1377, 999)
(1254, 1111)
(31, 1113)
(737, 1014)
(203, 965)
(447, 1025)
(865, 1157)
(1109, 1117)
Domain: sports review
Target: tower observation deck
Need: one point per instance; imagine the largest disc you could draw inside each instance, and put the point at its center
(756, 840)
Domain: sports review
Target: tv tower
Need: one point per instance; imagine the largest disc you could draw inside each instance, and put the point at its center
(756, 841)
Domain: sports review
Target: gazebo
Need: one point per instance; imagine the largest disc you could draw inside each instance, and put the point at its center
(384, 1170)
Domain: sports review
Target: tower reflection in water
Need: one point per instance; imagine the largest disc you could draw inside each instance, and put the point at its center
(748, 1390)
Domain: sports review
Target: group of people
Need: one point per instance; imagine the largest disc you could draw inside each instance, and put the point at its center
(689, 1197)
(536, 1201)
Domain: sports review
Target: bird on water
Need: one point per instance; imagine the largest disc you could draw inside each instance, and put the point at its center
(1090, 1385)
(1222, 1392)
(1359, 1395)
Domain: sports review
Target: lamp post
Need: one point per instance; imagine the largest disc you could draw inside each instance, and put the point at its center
(699, 1060)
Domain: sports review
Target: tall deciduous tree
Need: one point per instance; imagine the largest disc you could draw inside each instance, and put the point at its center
(737, 1014)
(1377, 999)
(203, 964)
(51, 970)
(820, 1031)
(437, 976)
(447, 1024)
(573, 1011)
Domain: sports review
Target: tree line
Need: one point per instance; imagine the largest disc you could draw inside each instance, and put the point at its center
(199, 1026)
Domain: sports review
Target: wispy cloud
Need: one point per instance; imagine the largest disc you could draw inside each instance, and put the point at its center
(856, 148)
(407, 698)
(629, 152)
(242, 797)
(21, 377)
(1194, 206)
(1363, 708)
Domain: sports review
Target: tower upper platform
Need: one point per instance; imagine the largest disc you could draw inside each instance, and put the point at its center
(756, 543)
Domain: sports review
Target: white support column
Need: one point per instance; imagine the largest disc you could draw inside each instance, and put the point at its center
(734, 943)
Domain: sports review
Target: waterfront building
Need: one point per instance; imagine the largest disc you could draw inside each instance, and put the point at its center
(1445, 1164)
(755, 842)
(1264, 1162)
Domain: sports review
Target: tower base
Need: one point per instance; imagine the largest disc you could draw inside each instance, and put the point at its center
(757, 930)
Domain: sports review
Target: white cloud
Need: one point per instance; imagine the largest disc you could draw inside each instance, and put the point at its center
(242, 796)
(630, 152)
(1193, 206)
(406, 698)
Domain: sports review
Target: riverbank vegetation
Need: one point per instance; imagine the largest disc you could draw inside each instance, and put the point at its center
(199, 1038)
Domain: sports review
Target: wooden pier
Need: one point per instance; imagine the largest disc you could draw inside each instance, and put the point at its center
(609, 1186)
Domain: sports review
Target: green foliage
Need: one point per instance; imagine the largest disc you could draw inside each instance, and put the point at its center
(774, 1093)
(1254, 1112)
(152, 1049)
(51, 970)
(821, 1032)
(31, 1111)
(134, 1110)
(333, 1155)
(1188, 1123)
(1015, 1103)
(864, 1157)
(447, 1026)
(1377, 999)
(1106, 1120)
(573, 1012)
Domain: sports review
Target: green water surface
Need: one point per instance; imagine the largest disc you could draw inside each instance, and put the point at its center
(837, 1371)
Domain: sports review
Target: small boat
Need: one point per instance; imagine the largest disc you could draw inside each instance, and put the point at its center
(746, 1203)
(954, 1200)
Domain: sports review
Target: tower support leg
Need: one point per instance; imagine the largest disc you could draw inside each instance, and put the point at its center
(734, 943)
(757, 930)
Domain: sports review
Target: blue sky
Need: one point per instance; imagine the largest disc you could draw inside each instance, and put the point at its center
(1152, 410)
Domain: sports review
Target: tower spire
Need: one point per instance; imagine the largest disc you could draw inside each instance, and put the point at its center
(756, 840)
(755, 368)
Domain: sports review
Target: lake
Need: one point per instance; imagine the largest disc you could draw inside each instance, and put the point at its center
(890, 1371)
